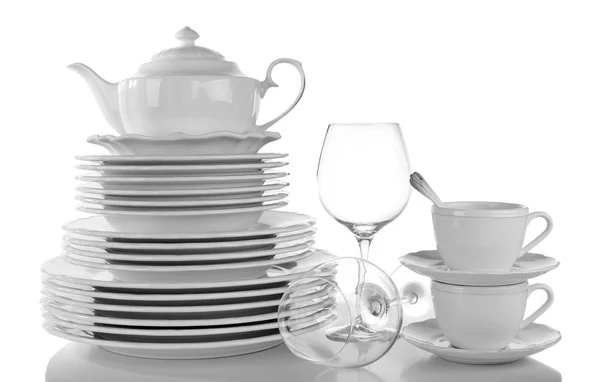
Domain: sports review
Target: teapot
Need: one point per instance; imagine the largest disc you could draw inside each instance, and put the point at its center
(186, 89)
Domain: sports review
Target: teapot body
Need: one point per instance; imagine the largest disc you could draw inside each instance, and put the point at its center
(190, 104)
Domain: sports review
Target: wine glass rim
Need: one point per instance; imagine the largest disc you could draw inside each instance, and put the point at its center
(308, 278)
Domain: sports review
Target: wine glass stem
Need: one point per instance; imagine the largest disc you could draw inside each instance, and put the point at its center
(365, 245)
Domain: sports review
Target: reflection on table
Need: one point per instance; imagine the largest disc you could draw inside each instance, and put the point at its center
(79, 362)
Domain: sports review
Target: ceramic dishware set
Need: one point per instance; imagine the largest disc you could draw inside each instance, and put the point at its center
(480, 287)
(187, 253)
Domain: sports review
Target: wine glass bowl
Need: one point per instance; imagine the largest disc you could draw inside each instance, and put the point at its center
(363, 321)
(363, 177)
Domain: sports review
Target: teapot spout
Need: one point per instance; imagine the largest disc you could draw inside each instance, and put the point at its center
(106, 94)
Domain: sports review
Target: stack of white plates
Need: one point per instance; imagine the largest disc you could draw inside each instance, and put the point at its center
(175, 319)
(184, 257)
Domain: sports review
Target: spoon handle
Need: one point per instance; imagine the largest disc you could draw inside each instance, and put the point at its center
(417, 185)
(427, 186)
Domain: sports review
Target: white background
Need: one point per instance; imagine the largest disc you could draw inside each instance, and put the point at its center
(497, 101)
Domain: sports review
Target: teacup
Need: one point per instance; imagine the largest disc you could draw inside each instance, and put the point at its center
(484, 236)
(484, 318)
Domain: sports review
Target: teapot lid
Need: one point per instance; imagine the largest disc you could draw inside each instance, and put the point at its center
(187, 58)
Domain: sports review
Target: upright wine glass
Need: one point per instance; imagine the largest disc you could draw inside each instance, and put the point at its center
(363, 177)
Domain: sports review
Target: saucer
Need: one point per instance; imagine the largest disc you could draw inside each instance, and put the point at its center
(194, 169)
(430, 264)
(179, 159)
(532, 339)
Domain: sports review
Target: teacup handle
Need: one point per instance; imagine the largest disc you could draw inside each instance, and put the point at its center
(541, 236)
(269, 83)
(549, 300)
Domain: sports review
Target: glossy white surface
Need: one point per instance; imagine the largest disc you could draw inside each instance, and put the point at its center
(179, 159)
(430, 264)
(484, 318)
(186, 89)
(217, 143)
(404, 363)
(201, 256)
(246, 270)
(181, 219)
(174, 170)
(530, 340)
(271, 222)
(484, 236)
(59, 269)
(178, 202)
(232, 191)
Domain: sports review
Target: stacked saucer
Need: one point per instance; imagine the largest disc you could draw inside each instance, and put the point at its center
(187, 252)
(480, 285)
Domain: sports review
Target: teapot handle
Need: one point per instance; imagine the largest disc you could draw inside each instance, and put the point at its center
(269, 83)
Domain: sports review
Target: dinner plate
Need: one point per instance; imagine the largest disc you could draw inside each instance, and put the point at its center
(186, 273)
(179, 159)
(181, 335)
(170, 351)
(60, 269)
(56, 297)
(85, 242)
(178, 202)
(94, 317)
(198, 169)
(257, 190)
(71, 290)
(181, 219)
(190, 258)
(172, 181)
(270, 223)
(430, 264)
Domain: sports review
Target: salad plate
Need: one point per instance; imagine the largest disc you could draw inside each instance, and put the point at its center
(430, 264)
(181, 219)
(82, 242)
(530, 340)
(220, 192)
(178, 202)
(59, 269)
(172, 273)
(215, 143)
(179, 159)
(270, 223)
(166, 170)
(189, 258)
(174, 181)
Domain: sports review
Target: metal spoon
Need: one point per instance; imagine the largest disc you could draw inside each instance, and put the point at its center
(420, 184)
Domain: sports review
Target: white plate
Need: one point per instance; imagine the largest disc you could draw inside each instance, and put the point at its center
(188, 273)
(181, 334)
(430, 264)
(72, 290)
(57, 298)
(60, 269)
(181, 219)
(178, 202)
(95, 188)
(270, 223)
(86, 243)
(172, 170)
(219, 142)
(223, 257)
(532, 339)
(179, 180)
(178, 159)
(90, 316)
(170, 351)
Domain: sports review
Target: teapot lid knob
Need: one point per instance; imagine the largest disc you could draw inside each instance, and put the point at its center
(187, 36)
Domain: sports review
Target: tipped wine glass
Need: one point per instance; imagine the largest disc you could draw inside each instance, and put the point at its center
(337, 338)
(363, 177)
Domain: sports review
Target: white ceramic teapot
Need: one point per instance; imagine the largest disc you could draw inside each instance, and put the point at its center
(186, 89)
